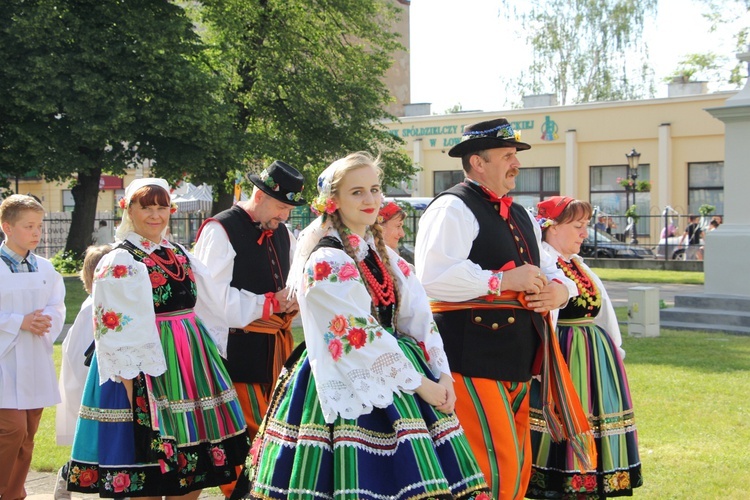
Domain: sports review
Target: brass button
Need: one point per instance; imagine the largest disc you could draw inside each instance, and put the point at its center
(520, 249)
(511, 320)
(478, 319)
(517, 238)
(511, 226)
(495, 326)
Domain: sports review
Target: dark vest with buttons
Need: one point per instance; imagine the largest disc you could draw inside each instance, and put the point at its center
(259, 269)
(498, 344)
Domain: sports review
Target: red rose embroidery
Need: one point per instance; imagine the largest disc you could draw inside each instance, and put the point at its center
(110, 320)
(149, 262)
(353, 240)
(357, 337)
(218, 455)
(404, 267)
(181, 259)
(348, 271)
(140, 401)
(121, 482)
(119, 271)
(87, 477)
(321, 270)
(589, 482)
(338, 325)
(157, 279)
(335, 347)
(168, 450)
(483, 496)
(181, 460)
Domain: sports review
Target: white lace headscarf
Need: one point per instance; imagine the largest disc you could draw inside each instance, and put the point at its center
(126, 225)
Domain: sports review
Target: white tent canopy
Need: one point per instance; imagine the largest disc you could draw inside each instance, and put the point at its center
(195, 199)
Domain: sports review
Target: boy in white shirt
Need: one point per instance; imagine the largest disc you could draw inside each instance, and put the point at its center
(32, 312)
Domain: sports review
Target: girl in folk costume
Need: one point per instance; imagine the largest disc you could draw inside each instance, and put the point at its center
(159, 415)
(590, 340)
(366, 410)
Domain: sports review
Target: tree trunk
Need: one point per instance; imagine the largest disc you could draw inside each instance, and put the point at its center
(224, 199)
(85, 196)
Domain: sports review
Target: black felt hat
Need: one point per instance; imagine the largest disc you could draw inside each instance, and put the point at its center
(497, 133)
(281, 181)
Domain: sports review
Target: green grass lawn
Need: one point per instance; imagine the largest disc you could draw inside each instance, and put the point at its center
(688, 390)
(649, 276)
(74, 297)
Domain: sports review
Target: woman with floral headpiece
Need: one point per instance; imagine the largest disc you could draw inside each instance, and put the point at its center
(159, 415)
(366, 409)
(590, 341)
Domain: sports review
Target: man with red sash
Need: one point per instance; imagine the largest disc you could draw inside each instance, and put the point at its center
(248, 250)
(480, 259)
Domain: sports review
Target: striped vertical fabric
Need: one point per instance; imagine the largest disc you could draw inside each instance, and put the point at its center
(599, 377)
(407, 450)
(495, 417)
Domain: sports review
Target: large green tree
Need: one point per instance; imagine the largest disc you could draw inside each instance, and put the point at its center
(305, 80)
(92, 86)
(584, 50)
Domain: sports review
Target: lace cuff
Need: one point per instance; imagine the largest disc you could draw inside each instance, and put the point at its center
(365, 388)
(128, 362)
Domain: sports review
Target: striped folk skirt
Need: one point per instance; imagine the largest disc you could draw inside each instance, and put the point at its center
(599, 378)
(407, 450)
(183, 432)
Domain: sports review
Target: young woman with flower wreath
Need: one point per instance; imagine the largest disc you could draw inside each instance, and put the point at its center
(366, 410)
(590, 341)
(159, 415)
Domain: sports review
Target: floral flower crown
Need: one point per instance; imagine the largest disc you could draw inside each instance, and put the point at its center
(324, 202)
(125, 204)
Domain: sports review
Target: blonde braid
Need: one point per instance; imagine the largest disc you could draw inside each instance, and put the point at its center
(377, 234)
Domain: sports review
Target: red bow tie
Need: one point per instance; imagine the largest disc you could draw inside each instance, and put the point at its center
(263, 235)
(504, 202)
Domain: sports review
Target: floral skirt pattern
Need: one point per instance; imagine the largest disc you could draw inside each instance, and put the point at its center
(599, 377)
(407, 450)
(184, 431)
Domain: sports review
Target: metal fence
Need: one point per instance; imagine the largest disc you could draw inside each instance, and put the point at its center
(619, 242)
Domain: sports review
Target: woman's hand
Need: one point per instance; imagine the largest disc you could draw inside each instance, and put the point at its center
(450, 405)
(432, 393)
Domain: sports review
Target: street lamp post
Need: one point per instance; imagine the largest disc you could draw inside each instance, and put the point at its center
(633, 158)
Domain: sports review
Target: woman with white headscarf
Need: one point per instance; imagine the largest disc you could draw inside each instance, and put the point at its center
(159, 415)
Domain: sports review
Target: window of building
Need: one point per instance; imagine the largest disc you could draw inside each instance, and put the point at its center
(534, 184)
(67, 200)
(706, 186)
(613, 199)
(445, 179)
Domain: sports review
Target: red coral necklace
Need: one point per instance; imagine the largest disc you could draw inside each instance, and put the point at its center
(171, 260)
(382, 293)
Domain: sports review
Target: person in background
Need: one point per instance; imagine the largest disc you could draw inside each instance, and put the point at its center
(297, 230)
(159, 415)
(248, 251)
(32, 312)
(366, 409)
(479, 257)
(74, 368)
(391, 219)
(102, 236)
(693, 234)
(591, 343)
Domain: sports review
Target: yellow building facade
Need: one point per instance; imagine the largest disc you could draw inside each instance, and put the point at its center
(579, 151)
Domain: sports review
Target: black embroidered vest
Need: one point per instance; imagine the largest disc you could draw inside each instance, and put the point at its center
(499, 344)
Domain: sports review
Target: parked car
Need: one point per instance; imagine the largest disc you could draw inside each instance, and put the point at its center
(673, 246)
(600, 244)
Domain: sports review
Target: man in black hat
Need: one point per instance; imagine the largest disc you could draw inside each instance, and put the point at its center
(475, 251)
(248, 250)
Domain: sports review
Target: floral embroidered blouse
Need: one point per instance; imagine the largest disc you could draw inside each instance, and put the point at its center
(130, 288)
(356, 362)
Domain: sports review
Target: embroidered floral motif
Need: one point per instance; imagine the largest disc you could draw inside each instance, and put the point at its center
(617, 481)
(145, 243)
(493, 284)
(218, 455)
(123, 481)
(104, 321)
(345, 334)
(404, 267)
(83, 476)
(333, 272)
(116, 271)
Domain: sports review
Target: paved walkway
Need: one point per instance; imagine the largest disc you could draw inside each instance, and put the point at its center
(40, 485)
